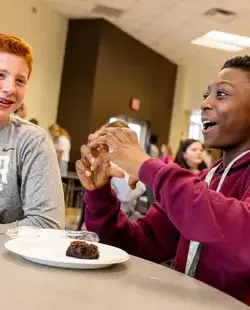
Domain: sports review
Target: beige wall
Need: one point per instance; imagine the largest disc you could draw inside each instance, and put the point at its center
(180, 112)
(46, 33)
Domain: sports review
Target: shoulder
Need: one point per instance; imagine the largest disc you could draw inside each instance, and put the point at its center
(25, 129)
(29, 136)
(62, 140)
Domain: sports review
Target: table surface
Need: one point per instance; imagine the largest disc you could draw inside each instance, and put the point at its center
(137, 284)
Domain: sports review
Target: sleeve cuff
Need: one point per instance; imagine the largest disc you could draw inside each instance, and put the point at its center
(99, 196)
(149, 169)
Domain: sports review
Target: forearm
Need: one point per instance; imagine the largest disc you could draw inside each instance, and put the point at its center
(152, 237)
(35, 221)
(199, 213)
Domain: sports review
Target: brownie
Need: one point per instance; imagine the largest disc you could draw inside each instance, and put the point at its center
(82, 250)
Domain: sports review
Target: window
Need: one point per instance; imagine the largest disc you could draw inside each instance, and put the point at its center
(195, 127)
(139, 127)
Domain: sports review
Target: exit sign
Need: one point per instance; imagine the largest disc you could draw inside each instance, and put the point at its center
(135, 104)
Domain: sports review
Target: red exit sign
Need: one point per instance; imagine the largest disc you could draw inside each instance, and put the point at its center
(135, 104)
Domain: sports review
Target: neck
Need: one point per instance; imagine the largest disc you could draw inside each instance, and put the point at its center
(231, 153)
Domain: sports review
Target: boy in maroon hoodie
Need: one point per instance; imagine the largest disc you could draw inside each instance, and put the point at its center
(202, 222)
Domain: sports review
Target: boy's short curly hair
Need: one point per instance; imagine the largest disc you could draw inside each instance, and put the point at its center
(238, 62)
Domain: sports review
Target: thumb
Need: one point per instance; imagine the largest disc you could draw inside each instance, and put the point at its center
(132, 182)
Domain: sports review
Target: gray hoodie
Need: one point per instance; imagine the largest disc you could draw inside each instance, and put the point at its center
(31, 191)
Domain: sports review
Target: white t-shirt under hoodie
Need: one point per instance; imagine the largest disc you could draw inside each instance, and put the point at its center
(62, 144)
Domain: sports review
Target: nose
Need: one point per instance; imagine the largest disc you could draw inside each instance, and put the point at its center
(8, 86)
(207, 104)
(199, 152)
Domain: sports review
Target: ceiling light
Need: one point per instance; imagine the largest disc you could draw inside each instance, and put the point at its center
(223, 41)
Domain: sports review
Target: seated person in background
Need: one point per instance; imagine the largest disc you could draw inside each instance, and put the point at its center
(34, 121)
(201, 221)
(21, 112)
(166, 154)
(62, 144)
(153, 149)
(127, 196)
(31, 191)
(190, 156)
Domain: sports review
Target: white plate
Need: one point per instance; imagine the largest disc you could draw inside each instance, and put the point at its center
(53, 253)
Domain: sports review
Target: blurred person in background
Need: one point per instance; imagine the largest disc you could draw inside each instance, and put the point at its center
(153, 149)
(190, 156)
(62, 144)
(34, 121)
(166, 153)
(21, 112)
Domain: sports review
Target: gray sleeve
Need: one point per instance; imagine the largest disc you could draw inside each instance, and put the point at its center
(41, 186)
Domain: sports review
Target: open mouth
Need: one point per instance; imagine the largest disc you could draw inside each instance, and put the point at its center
(207, 125)
(6, 102)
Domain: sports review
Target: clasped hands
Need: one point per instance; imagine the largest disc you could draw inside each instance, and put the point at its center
(110, 145)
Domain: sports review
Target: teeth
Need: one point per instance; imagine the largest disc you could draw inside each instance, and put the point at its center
(206, 122)
(5, 101)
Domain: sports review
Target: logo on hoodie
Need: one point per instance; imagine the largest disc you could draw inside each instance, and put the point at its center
(4, 169)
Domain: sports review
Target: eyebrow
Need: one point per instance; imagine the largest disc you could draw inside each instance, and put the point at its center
(220, 83)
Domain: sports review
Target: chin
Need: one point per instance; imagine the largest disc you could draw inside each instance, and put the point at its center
(210, 144)
(4, 114)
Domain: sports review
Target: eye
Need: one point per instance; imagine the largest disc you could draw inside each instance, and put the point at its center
(2, 75)
(205, 95)
(221, 94)
(20, 82)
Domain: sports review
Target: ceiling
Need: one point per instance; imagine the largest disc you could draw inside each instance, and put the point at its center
(167, 26)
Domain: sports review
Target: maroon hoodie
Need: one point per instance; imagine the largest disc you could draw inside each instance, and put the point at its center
(185, 209)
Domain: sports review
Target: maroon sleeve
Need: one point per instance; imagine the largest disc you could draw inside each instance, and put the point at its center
(199, 213)
(152, 237)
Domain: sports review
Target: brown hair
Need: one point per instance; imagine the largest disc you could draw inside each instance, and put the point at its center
(117, 123)
(18, 47)
(62, 131)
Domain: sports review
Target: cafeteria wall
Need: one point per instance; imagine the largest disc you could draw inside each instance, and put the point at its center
(103, 69)
(45, 30)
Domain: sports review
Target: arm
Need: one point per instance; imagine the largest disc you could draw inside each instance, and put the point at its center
(59, 154)
(152, 237)
(41, 190)
(199, 213)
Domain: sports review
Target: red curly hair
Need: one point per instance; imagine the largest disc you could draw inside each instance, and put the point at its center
(18, 47)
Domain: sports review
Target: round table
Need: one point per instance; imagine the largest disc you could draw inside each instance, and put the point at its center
(137, 284)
